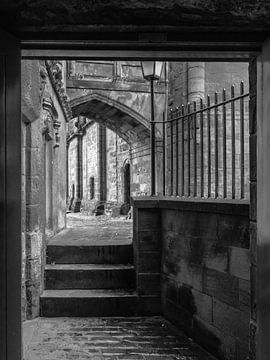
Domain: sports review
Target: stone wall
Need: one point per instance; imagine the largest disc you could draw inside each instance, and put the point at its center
(72, 166)
(43, 177)
(118, 153)
(90, 168)
(195, 255)
(191, 82)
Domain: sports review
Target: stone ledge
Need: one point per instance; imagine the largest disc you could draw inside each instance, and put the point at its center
(220, 206)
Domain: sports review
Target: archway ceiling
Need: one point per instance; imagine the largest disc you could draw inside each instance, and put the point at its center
(84, 15)
(122, 123)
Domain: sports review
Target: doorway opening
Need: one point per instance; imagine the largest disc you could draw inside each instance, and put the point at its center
(126, 180)
(84, 257)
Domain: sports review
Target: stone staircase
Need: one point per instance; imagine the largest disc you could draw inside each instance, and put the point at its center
(95, 279)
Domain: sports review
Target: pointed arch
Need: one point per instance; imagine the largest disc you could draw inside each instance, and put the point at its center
(121, 119)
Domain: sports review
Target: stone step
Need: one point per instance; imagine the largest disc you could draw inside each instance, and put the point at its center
(90, 254)
(89, 276)
(89, 303)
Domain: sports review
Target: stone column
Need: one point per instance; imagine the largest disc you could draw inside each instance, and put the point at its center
(195, 81)
(79, 174)
(102, 151)
(67, 173)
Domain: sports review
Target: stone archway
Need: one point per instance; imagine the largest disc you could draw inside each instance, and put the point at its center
(121, 119)
(97, 110)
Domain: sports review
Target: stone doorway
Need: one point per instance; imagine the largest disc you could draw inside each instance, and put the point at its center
(126, 180)
(84, 247)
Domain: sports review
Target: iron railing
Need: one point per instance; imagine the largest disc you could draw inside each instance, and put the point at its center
(206, 148)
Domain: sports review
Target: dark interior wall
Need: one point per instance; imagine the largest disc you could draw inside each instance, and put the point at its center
(197, 253)
(30, 19)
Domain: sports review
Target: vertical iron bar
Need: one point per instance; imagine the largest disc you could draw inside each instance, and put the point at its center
(164, 156)
(209, 146)
(202, 150)
(216, 146)
(224, 147)
(153, 142)
(171, 192)
(183, 151)
(233, 141)
(176, 155)
(195, 149)
(242, 144)
(188, 147)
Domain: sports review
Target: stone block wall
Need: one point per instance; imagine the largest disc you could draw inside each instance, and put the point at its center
(72, 166)
(195, 255)
(205, 274)
(118, 154)
(147, 255)
(193, 81)
(90, 167)
(43, 212)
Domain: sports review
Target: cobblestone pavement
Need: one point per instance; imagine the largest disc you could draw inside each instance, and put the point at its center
(85, 229)
(107, 339)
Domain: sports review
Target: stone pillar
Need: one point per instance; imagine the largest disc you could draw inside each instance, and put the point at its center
(67, 174)
(102, 151)
(79, 174)
(195, 81)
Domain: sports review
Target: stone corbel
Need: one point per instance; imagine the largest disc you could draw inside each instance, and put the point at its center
(51, 122)
(56, 126)
(80, 125)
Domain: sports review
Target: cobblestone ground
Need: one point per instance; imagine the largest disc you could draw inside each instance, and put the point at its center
(107, 338)
(85, 229)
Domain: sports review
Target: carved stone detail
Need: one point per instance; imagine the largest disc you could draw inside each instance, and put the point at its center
(55, 71)
(51, 124)
(43, 80)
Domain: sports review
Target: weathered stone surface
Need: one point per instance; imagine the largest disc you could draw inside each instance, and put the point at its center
(148, 219)
(204, 306)
(244, 295)
(149, 262)
(43, 169)
(231, 320)
(148, 240)
(253, 201)
(219, 343)
(114, 338)
(195, 271)
(239, 263)
(222, 286)
(148, 284)
(253, 340)
(253, 292)
(253, 242)
(253, 157)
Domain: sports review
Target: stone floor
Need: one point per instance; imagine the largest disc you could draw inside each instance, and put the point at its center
(84, 229)
(107, 339)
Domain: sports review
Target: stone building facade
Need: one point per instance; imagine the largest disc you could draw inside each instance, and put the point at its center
(197, 85)
(111, 104)
(93, 85)
(44, 117)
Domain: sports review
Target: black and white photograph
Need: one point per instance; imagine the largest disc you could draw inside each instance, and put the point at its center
(135, 180)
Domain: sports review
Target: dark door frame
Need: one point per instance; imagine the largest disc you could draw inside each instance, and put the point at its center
(87, 50)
